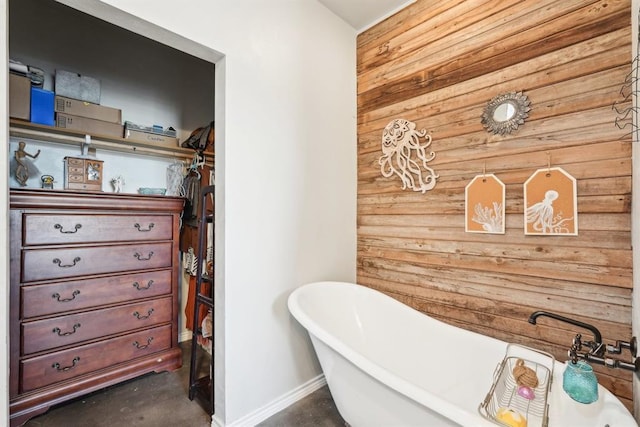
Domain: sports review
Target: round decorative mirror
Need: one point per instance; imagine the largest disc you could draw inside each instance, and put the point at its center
(504, 113)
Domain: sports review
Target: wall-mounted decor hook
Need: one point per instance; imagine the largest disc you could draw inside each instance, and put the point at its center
(84, 146)
(548, 163)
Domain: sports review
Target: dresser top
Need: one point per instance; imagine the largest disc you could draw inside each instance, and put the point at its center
(35, 198)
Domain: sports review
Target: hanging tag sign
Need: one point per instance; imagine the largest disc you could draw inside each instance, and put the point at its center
(550, 203)
(484, 205)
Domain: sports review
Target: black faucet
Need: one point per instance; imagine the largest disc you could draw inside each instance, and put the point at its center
(597, 337)
(598, 348)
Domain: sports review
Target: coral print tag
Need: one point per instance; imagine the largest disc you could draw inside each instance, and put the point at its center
(550, 203)
(484, 205)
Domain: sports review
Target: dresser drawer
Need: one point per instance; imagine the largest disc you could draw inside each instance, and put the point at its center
(60, 331)
(76, 162)
(42, 300)
(66, 364)
(46, 264)
(76, 178)
(40, 229)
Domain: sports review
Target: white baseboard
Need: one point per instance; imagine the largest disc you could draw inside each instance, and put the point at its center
(284, 401)
(216, 422)
(185, 336)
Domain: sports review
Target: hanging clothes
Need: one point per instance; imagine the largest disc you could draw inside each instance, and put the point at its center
(192, 184)
(198, 176)
(191, 301)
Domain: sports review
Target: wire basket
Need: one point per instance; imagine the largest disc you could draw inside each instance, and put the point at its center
(504, 390)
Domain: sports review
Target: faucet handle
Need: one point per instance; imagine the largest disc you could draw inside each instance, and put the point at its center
(577, 342)
(573, 354)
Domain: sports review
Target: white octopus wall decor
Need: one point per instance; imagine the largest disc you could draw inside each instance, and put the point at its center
(550, 200)
(484, 205)
(403, 155)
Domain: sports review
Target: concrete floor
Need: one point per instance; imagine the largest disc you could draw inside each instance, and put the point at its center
(315, 410)
(161, 400)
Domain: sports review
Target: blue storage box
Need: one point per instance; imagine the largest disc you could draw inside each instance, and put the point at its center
(42, 103)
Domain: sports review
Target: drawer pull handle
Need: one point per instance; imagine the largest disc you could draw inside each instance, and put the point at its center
(151, 225)
(143, 288)
(140, 258)
(142, 347)
(76, 228)
(66, 368)
(64, 334)
(73, 296)
(75, 261)
(141, 317)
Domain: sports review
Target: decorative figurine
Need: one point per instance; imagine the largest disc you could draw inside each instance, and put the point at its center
(118, 184)
(23, 163)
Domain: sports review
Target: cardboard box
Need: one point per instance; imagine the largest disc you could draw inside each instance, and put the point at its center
(76, 107)
(19, 97)
(42, 106)
(90, 126)
(151, 138)
(157, 129)
(77, 86)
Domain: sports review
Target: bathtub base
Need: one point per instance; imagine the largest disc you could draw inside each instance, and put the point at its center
(363, 401)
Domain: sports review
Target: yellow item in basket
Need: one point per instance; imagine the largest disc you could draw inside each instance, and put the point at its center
(511, 418)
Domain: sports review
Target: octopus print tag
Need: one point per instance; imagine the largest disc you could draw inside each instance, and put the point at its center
(550, 203)
(484, 205)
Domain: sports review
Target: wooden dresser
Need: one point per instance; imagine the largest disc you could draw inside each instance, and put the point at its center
(94, 293)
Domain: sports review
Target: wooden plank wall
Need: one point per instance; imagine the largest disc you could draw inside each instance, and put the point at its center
(437, 63)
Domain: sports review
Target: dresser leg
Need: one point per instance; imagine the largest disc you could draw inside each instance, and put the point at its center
(18, 420)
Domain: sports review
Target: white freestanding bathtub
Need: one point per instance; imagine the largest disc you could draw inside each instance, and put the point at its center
(387, 364)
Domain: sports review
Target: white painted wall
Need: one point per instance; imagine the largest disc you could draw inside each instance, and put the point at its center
(286, 177)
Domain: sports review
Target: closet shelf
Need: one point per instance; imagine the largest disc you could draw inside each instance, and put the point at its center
(43, 133)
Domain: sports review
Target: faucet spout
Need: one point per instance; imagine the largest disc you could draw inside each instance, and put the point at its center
(596, 333)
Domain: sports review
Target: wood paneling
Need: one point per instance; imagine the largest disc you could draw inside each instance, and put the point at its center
(438, 64)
